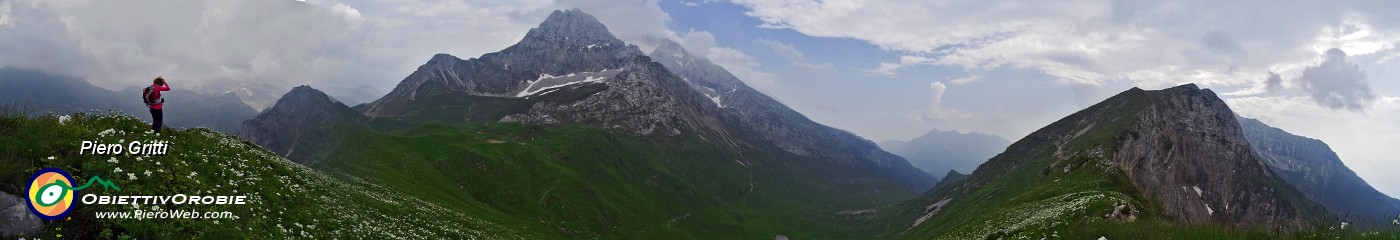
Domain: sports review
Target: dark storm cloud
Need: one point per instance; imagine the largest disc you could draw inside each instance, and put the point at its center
(1274, 83)
(1336, 83)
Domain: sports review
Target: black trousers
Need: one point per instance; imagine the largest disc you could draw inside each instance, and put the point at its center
(156, 118)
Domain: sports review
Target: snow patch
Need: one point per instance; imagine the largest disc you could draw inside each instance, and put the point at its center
(711, 93)
(930, 211)
(1208, 210)
(1198, 190)
(548, 83)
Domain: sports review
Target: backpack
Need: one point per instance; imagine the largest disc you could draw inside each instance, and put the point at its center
(148, 96)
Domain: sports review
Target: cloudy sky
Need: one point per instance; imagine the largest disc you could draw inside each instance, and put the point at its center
(884, 69)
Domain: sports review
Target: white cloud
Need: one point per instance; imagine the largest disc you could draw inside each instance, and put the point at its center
(1151, 43)
(743, 67)
(889, 69)
(794, 57)
(1336, 83)
(1364, 140)
(936, 110)
(326, 42)
(116, 44)
(698, 42)
(967, 79)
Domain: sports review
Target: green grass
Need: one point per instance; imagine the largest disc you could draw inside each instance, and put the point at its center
(454, 181)
(595, 183)
(286, 199)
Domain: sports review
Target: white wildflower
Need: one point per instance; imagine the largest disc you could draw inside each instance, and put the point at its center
(118, 170)
(51, 158)
(148, 173)
(131, 176)
(63, 120)
(1344, 225)
(112, 160)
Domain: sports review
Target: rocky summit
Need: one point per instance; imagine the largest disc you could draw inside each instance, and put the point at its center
(301, 125)
(1175, 155)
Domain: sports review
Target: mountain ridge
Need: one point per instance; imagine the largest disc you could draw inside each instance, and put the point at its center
(1139, 159)
(1311, 166)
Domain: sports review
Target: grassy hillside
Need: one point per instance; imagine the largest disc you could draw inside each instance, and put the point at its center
(476, 180)
(285, 199)
(594, 183)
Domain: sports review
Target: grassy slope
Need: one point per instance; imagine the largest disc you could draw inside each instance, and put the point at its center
(585, 182)
(286, 199)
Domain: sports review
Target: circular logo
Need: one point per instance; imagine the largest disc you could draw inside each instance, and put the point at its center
(51, 193)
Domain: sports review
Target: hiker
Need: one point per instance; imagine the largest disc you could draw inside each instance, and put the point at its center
(153, 100)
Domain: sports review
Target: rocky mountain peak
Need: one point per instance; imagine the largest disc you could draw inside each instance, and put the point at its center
(301, 115)
(571, 27)
(1185, 148)
(670, 47)
(303, 96)
(442, 58)
(1177, 151)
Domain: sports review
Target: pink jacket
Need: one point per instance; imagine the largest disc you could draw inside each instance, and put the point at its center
(156, 93)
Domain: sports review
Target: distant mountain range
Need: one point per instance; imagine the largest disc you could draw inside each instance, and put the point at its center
(38, 93)
(258, 95)
(261, 95)
(938, 152)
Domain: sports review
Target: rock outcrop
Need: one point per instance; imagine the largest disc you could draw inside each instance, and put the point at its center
(16, 219)
(1186, 150)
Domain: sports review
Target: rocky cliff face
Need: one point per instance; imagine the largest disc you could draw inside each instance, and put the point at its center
(1175, 155)
(1186, 150)
(303, 124)
(768, 121)
(1312, 167)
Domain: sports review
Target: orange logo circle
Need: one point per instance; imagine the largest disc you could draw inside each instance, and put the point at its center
(51, 193)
